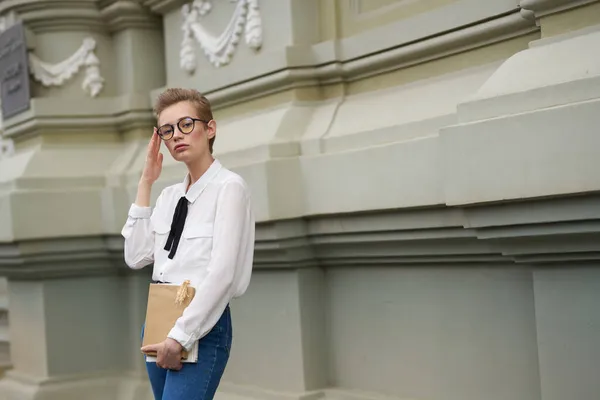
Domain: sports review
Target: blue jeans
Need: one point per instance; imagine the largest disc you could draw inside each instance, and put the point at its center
(199, 380)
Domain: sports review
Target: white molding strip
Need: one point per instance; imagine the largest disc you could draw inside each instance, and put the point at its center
(547, 7)
(218, 49)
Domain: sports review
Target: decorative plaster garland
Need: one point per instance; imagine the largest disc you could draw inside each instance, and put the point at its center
(57, 74)
(218, 49)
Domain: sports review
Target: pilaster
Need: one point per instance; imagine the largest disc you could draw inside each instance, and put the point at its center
(58, 325)
(103, 88)
(134, 26)
(59, 183)
(128, 14)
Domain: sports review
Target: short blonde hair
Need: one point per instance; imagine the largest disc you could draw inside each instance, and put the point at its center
(177, 95)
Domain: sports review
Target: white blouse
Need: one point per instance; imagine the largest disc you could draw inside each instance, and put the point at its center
(215, 252)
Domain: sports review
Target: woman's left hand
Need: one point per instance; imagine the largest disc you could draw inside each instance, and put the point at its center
(168, 354)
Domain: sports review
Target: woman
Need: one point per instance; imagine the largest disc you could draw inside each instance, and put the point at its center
(201, 230)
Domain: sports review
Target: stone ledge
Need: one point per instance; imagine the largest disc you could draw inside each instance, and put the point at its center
(480, 235)
(551, 230)
(56, 15)
(59, 258)
(112, 114)
(561, 230)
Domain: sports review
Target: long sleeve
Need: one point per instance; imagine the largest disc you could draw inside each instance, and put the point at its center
(228, 271)
(139, 237)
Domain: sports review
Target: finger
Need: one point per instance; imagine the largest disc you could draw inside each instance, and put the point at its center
(160, 361)
(156, 147)
(152, 138)
(150, 153)
(154, 141)
(150, 347)
(160, 159)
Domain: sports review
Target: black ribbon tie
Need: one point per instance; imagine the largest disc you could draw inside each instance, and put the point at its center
(177, 226)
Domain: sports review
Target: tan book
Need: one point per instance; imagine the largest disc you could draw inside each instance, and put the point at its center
(166, 303)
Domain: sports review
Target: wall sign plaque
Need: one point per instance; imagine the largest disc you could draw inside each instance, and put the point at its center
(14, 71)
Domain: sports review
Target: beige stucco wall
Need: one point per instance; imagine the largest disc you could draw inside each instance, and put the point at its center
(423, 175)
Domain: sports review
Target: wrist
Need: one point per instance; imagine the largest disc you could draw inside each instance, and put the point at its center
(174, 343)
(145, 184)
(143, 193)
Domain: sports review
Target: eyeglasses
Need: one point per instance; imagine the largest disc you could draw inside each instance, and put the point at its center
(186, 125)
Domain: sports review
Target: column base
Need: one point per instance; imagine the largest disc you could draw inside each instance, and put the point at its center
(230, 391)
(15, 386)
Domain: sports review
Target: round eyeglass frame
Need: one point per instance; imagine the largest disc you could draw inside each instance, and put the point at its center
(182, 129)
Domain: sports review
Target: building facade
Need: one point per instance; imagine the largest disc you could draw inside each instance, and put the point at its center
(425, 182)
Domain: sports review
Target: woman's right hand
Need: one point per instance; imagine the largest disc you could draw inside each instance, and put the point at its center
(151, 171)
(154, 159)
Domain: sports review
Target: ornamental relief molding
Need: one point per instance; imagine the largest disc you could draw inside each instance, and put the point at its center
(57, 74)
(218, 49)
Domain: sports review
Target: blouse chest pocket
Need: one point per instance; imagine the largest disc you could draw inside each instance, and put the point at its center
(161, 232)
(198, 238)
(161, 228)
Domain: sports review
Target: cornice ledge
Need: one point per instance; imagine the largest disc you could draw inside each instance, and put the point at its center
(542, 231)
(164, 6)
(54, 15)
(546, 7)
(556, 243)
(331, 69)
(125, 14)
(283, 244)
(556, 231)
(116, 114)
(369, 241)
(60, 258)
(34, 125)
